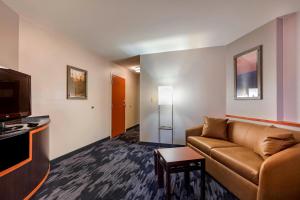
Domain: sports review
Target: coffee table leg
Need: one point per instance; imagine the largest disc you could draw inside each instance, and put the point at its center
(155, 162)
(168, 184)
(203, 180)
(160, 173)
(187, 178)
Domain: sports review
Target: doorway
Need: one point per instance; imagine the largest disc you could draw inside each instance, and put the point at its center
(118, 106)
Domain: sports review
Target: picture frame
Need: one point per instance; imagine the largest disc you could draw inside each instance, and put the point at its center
(76, 83)
(248, 74)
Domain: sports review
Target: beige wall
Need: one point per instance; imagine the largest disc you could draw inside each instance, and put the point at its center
(198, 78)
(267, 107)
(74, 124)
(281, 71)
(132, 100)
(44, 55)
(291, 65)
(9, 37)
(132, 86)
(298, 65)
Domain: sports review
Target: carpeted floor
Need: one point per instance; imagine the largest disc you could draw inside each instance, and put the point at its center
(115, 169)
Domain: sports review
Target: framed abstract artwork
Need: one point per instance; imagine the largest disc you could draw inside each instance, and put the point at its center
(248, 74)
(76, 83)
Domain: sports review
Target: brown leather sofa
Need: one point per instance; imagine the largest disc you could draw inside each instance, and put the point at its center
(246, 174)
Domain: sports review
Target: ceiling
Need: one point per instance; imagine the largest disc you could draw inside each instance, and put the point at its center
(117, 29)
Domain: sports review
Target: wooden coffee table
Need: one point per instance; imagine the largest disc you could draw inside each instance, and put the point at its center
(178, 159)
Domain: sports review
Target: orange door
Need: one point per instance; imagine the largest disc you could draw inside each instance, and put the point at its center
(118, 106)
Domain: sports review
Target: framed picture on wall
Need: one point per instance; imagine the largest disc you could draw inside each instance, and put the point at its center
(76, 83)
(248, 74)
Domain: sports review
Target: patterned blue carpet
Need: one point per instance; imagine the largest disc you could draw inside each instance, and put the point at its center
(118, 169)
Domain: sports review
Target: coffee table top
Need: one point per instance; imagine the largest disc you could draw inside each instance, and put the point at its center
(180, 154)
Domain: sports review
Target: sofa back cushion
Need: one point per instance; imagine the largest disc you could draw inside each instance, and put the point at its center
(249, 134)
(245, 134)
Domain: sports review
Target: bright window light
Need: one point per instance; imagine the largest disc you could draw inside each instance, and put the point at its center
(253, 92)
(165, 95)
(137, 69)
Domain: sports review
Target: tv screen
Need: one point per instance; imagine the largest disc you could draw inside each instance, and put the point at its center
(15, 94)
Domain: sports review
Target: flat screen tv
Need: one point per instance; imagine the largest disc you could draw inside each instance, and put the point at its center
(15, 95)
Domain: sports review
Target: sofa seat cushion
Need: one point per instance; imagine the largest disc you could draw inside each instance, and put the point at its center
(205, 144)
(241, 160)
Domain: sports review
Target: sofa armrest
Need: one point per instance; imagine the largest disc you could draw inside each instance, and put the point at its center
(280, 175)
(195, 131)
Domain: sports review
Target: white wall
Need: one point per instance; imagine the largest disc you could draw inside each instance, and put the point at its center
(192, 76)
(9, 37)
(267, 107)
(44, 55)
(198, 78)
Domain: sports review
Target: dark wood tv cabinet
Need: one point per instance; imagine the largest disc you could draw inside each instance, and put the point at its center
(24, 160)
